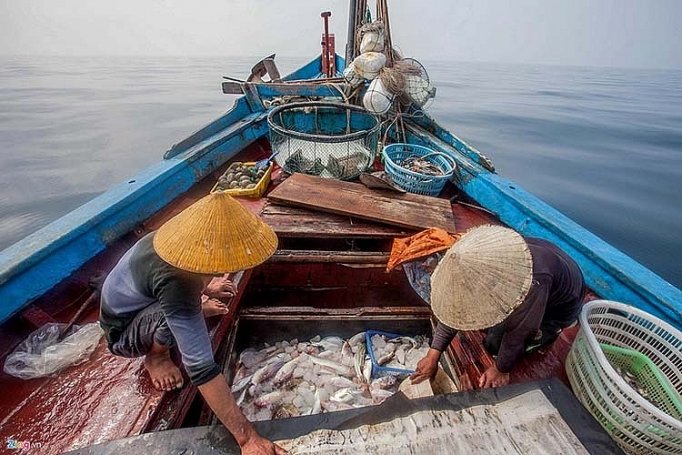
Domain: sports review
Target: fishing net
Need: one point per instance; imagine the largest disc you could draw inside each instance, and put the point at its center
(418, 88)
(325, 139)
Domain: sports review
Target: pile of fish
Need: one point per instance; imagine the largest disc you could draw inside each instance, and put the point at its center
(421, 165)
(631, 379)
(293, 378)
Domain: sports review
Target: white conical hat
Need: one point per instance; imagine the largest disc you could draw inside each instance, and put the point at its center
(215, 235)
(482, 278)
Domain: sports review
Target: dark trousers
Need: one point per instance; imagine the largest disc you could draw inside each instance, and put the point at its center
(553, 322)
(148, 326)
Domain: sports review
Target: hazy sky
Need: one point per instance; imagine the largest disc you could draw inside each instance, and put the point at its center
(629, 33)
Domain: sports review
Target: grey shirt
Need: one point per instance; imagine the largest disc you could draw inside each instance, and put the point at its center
(141, 278)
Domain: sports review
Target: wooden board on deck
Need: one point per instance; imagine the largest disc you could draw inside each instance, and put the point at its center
(299, 222)
(410, 211)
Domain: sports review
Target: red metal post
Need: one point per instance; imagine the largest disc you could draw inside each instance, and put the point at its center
(326, 64)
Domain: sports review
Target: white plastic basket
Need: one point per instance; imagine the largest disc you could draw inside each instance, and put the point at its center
(636, 424)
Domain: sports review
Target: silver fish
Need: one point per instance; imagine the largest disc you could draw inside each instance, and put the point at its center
(384, 359)
(329, 343)
(317, 405)
(347, 356)
(269, 399)
(266, 372)
(405, 339)
(360, 360)
(385, 382)
(367, 370)
(342, 396)
(341, 382)
(241, 373)
(242, 396)
(250, 357)
(286, 372)
(241, 384)
(356, 339)
(336, 367)
(400, 354)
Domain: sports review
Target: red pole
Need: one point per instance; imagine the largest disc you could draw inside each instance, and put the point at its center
(326, 66)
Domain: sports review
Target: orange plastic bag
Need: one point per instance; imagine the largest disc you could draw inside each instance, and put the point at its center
(419, 245)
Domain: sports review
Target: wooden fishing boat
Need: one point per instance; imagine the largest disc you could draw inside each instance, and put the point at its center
(328, 273)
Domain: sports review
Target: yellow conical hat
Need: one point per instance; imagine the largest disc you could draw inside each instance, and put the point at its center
(482, 278)
(215, 235)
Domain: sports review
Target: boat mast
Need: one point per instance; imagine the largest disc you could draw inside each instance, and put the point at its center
(350, 42)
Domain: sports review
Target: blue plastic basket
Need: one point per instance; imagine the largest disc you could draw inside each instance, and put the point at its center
(376, 368)
(416, 182)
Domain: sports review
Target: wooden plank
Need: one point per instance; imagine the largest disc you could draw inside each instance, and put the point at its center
(343, 257)
(298, 222)
(410, 211)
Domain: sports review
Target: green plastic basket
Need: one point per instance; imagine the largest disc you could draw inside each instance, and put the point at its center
(648, 375)
(615, 336)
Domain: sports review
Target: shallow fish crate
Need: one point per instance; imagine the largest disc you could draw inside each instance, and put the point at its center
(316, 389)
(258, 183)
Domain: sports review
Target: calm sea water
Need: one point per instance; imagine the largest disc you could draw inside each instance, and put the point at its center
(603, 146)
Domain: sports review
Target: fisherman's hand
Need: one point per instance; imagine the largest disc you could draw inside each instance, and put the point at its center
(492, 377)
(427, 367)
(220, 288)
(261, 446)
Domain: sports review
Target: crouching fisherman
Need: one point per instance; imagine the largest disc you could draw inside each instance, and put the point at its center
(151, 300)
(525, 290)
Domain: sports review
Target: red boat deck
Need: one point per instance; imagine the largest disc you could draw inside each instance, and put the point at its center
(109, 398)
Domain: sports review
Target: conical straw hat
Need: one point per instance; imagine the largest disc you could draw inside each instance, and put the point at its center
(482, 278)
(215, 235)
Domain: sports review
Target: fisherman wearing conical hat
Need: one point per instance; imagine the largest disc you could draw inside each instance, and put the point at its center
(152, 300)
(524, 290)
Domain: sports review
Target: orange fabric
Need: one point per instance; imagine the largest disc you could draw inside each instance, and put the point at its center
(419, 245)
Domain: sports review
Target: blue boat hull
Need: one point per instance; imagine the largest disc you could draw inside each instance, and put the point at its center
(36, 264)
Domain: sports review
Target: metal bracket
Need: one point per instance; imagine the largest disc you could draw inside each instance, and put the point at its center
(265, 67)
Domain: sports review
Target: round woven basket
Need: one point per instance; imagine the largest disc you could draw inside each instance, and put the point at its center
(614, 335)
(395, 155)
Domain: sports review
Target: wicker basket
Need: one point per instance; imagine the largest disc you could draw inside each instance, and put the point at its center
(615, 334)
(395, 156)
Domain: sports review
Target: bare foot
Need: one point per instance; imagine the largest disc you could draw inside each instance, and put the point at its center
(165, 375)
(213, 307)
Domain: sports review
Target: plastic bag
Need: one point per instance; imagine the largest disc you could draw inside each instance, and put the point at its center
(369, 64)
(419, 272)
(352, 77)
(377, 99)
(42, 354)
(372, 42)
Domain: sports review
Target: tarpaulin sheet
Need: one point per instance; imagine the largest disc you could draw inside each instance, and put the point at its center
(217, 440)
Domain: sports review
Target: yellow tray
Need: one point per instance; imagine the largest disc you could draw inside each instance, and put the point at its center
(254, 192)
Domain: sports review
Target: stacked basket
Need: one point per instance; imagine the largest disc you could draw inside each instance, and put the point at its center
(616, 336)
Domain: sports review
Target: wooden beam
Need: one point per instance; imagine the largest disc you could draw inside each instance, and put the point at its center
(279, 89)
(344, 257)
